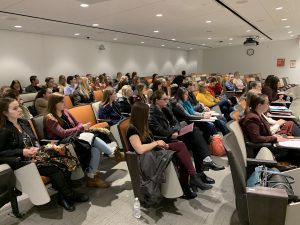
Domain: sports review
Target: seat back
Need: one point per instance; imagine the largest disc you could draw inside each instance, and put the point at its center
(238, 173)
(235, 115)
(235, 128)
(98, 95)
(95, 107)
(28, 98)
(122, 127)
(84, 114)
(68, 102)
(38, 126)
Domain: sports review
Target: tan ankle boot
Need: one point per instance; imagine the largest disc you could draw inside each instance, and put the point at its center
(96, 182)
(119, 156)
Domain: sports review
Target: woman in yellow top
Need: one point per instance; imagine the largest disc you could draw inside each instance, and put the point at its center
(205, 97)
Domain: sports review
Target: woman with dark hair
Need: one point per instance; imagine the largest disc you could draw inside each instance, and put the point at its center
(270, 88)
(16, 85)
(140, 90)
(186, 112)
(156, 85)
(163, 123)
(60, 124)
(21, 142)
(255, 127)
(141, 141)
(41, 100)
(109, 108)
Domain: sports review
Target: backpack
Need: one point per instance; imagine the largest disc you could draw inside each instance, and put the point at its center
(216, 146)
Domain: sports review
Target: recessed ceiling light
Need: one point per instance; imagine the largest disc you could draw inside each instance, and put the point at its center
(291, 35)
(230, 43)
(83, 5)
(191, 48)
(76, 34)
(173, 39)
(284, 19)
(18, 26)
(279, 8)
(248, 31)
(203, 44)
(115, 39)
(142, 42)
(230, 39)
(159, 15)
(156, 31)
(261, 38)
(162, 45)
(209, 38)
(287, 26)
(290, 32)
(95, 25)
(178, 47)
(208, 21)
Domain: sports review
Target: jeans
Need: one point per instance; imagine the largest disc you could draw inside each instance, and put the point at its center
(98, 146)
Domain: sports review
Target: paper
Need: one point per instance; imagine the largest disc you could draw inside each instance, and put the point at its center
(214, 113)
(294, 143)
(89, 137)
(187, 129)
(273, 107)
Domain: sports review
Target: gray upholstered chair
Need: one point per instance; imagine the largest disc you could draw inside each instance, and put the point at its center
(260, 205)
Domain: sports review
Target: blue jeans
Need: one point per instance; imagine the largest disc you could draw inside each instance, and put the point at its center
(98, 146)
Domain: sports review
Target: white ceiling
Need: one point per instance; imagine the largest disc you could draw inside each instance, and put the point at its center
(184, 20)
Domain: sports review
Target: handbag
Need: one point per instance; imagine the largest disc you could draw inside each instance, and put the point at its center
(216, 146)
(82, 149)
(273, 178)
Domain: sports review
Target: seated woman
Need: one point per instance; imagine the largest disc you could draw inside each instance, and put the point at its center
(126, 100)
(60, 124)
(109, 109)
(280, 126)
(208, 100)
(15, 131)
(41, 101)
(16, 85)
(163, 123)
(141, 141)
(82, 93)
(187, 113)
(140, 96)
(254, 125)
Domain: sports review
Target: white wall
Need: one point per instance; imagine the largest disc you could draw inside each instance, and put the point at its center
(195, 61)
(25, 54)
(231, 59)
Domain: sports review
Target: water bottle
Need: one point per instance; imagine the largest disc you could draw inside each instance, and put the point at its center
(288, 98)
(137, 208)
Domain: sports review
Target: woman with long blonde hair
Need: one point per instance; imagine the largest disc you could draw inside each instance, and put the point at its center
(82, 93)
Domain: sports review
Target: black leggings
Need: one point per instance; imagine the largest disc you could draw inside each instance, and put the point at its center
(60, 181)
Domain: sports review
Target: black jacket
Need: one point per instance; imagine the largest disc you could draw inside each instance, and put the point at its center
(162, 123)
(125, 105)
(11, 140)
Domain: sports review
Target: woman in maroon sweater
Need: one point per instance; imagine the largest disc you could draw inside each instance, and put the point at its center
(254, 125)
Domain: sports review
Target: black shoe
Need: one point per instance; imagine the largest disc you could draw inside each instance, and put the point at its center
(188, 194)
(66, 204)
(206, 179)
(79, 197)
(212, 166)
(196, 182)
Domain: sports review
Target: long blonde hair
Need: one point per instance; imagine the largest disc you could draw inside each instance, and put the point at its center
(107, 92)
(84, 86)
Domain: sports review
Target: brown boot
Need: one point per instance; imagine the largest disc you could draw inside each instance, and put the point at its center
(119, 156)
(96, 182)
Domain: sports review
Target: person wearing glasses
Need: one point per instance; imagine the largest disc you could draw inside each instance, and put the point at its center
(163, 123)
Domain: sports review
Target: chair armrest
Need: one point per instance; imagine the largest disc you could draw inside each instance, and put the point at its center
(104, 120)
(125, 114)
(259, 145)
(252, 161)
(47, 141)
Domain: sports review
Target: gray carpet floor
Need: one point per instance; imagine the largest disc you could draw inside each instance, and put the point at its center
(114, 205)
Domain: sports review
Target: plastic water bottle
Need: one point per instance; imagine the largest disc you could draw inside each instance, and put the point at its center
(288, 98)
(137, 208)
